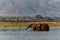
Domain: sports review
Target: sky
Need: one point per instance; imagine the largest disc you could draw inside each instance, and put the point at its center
(30, 7)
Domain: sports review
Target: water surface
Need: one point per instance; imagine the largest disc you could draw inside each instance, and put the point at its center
(21, 34)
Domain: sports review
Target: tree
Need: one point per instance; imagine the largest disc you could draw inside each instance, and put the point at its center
(48, 18)
(38, 17)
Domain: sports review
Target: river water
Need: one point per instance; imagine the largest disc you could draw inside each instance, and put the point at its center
(21, 34)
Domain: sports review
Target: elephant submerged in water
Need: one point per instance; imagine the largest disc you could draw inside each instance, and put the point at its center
(39, 27)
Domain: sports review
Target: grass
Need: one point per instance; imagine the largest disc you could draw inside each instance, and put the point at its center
(24, 24)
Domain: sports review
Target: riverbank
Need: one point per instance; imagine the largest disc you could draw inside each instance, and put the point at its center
(24, 24)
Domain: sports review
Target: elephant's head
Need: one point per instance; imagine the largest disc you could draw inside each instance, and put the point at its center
(38, 27)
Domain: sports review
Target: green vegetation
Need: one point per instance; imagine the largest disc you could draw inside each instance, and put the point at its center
(38, 17)
(34, 18)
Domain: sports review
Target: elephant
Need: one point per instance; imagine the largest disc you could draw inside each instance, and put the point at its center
(39, 27)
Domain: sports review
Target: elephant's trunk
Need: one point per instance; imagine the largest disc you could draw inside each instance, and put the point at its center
(28, 26)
